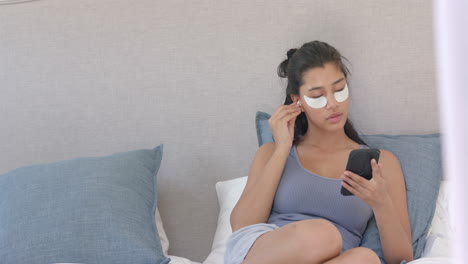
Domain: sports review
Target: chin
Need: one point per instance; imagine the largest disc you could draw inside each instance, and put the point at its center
(335, 126)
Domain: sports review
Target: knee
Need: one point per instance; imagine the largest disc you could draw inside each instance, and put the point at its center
(365, 255)
(317, 239)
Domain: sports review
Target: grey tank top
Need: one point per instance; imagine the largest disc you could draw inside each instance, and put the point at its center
(302, 195)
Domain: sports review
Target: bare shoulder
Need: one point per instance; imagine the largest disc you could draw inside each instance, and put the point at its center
(391, 168)
(387, 157)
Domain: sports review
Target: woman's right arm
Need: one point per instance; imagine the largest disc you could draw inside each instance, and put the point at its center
(256, 201)
(254, 205)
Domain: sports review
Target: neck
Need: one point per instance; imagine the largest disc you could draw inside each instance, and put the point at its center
(327, 141)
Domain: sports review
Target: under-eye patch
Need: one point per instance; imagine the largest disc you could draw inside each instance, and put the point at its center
(342, 95)
(316, 102)
(321, 101)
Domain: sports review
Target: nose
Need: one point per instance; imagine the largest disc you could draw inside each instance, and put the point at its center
(331, 102)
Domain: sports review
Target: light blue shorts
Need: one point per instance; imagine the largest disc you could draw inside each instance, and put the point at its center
(240, 242)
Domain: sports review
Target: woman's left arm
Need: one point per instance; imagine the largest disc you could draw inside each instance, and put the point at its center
(386, 194)
(392, 214)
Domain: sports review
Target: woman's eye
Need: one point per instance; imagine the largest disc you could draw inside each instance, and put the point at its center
(315, 97)
(340, 90)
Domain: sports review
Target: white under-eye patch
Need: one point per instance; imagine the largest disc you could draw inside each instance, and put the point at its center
(322, 100)
(342, 95)
(316, 102)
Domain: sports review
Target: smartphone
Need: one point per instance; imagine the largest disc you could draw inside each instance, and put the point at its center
(359, 163)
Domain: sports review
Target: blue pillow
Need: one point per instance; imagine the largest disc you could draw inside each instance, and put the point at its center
(263, 128)
(420, 160)
(83, 210)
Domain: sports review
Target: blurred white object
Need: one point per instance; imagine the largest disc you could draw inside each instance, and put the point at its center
(450, 22)
(438, 242)
(432, 261)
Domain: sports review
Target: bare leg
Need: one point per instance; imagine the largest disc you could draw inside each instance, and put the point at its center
(355, 255)
(303, 242)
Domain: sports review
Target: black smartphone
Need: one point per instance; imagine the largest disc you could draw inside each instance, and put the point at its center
(359, 163)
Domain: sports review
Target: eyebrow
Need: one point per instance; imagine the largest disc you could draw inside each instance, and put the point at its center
(321, 87)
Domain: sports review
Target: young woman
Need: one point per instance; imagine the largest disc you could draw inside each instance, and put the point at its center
(291, 210)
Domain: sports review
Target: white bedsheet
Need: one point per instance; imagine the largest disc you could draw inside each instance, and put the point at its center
(180, 260)
(432, 260)
(435, 260)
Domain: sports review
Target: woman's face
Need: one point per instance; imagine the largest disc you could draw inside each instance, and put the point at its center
(324, 92)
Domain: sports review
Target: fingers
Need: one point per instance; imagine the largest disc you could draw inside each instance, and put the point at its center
(355, 180)
(356, 190)
(281, 108)
(376, 168)
(291, 115)
(357, 185)
(354, 177)
(348, 187)
(285, 112)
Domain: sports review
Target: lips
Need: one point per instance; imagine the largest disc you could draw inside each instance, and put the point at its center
(334, 115)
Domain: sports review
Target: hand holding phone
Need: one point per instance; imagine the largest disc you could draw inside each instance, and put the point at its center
(359, 163)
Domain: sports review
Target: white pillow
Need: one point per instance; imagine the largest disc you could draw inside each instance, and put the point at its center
(162, 233)
(438, 237)
(228, 193)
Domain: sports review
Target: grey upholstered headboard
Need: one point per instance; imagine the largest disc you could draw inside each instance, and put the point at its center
(89, 78)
